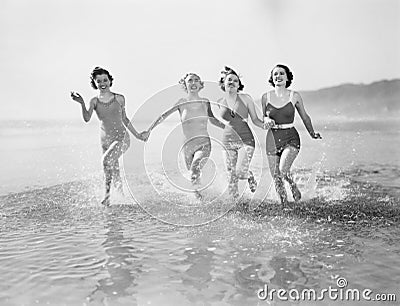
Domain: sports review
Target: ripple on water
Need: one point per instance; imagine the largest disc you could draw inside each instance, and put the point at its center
(58, 244)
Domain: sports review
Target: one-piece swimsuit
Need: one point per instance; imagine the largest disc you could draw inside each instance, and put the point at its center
(112, 128)
(280, 138)
(237, 132)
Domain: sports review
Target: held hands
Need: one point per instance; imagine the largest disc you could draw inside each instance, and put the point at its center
(315, 135)
(144, 135)
(268, 123)
(77, 97)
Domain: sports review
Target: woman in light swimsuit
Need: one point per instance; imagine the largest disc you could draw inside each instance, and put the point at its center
(110, 109)
(195, 112)
(235, 110)
(283, 141)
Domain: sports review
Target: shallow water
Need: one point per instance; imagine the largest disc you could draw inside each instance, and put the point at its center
(58, 246)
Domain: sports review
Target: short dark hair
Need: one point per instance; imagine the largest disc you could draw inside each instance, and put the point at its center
(225, 73)
(182, 81)
(98, 71)
(288, 73)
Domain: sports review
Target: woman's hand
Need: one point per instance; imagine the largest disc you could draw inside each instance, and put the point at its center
(77, 97)
(315, 135)
(268, 123)
(144, 135)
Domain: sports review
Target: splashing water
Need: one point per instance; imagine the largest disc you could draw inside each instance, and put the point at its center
(310, 187)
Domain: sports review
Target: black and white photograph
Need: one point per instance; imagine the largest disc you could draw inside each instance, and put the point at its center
(200, 152)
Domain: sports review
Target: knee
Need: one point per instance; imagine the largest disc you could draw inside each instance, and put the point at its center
(230, 167)
(275, 172)
(278, 176)
(229, 164)
(107, 163)
(284, 172)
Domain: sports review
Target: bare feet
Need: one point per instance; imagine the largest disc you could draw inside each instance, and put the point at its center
(295, 192)
(106, 200)
(198, 195)
(195, 178)
(242, 206)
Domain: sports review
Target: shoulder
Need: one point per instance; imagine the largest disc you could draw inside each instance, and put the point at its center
(120, 99)
(294, 93)
(220, 102)
(93, 101)
(268, 92)
(264, 97)
(246, 98)
(296, 96)
(180, 102)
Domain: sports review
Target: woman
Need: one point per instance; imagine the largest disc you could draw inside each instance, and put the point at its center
(195, 112)
(110, 109)
(235, 110)
(283, 141)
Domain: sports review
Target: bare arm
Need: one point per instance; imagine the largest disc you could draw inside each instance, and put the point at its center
(264, 103)
(212, 118)
(268, 122)
(304, 116)
(164, 115)
(125, 119)
(252, 111)
(86, 113)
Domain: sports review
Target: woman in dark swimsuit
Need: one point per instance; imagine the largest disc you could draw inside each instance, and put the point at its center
(235, 109)
(110, 109)
(283, 141)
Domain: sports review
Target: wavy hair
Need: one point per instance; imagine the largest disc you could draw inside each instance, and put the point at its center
(289, 75)
(99, 71)
(227, 71)
(182, 81)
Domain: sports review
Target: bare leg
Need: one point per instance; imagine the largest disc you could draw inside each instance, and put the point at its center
(188, 156)
(196, 153)
(200, 158)
(231, 156)
(273, 162)
(289, 154)
(110, 158)
(116, 171)
(243, 172)
(116, 177)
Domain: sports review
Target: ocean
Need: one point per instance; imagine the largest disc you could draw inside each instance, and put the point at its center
(159, 245)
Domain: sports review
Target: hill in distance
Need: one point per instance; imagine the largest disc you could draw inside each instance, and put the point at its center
(355, 101)
(352, 102)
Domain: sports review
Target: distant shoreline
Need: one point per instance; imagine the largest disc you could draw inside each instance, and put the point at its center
(317, 121)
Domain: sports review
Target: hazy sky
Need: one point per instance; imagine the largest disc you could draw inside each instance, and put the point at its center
(49, 47)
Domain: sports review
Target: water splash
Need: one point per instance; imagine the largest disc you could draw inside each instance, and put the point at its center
(310, 186)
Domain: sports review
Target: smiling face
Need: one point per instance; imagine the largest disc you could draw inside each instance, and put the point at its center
(279, 76)
(193, 83)
(231, 83)
(103, 82)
